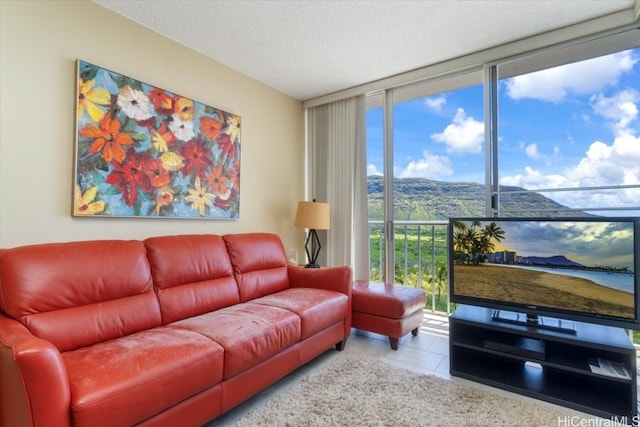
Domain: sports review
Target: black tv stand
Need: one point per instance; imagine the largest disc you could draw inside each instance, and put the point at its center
(545, 364)
(539, 322)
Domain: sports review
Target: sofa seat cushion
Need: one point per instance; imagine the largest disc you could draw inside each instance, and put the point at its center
(249, 333)
(126, 380)
(317, 308)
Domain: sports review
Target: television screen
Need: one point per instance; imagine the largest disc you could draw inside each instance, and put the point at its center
(571, 268)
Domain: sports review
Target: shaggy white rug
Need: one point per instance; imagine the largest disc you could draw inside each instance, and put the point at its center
(364, 391)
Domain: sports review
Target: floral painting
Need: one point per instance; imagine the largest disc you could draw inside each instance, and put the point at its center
(142, 151)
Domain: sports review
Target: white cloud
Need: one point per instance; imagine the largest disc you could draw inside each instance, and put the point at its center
(435, 102)
(430, 166)
(532, 151)
(621, 109)
(603, 164)
(532, 179)
(619, 162)
(465, 135)
(615, 164)
(373, 170)
(579, 78)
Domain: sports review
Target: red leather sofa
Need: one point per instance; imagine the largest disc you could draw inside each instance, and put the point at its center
(169, 331)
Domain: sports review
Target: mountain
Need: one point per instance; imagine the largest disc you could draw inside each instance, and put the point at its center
(425, 199)
(553, 261)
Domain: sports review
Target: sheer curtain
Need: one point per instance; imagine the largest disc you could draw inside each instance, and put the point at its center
(336, 166)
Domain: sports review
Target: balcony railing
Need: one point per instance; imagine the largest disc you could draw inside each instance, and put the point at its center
(421, 251)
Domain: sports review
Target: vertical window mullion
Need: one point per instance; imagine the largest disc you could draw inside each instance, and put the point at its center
(492, 188)
(389, 267)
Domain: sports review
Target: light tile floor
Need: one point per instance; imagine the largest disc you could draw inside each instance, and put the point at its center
(426, 353)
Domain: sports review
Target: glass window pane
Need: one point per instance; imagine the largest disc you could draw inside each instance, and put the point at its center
(574, 126)
(439, 149)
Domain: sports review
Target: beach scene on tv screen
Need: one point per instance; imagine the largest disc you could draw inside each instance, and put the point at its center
(581, 266)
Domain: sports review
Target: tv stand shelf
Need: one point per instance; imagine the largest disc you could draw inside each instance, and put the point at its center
(544, 364)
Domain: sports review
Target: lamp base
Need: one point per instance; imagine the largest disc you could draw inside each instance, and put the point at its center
(312, 247)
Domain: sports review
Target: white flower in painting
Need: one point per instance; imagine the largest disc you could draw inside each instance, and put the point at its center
(134, 103)
(182, 129)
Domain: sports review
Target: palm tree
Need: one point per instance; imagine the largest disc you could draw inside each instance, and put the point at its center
(469, 239)
(494, 232)
(441, 278)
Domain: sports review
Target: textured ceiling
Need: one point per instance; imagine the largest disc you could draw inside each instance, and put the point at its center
(311, 48)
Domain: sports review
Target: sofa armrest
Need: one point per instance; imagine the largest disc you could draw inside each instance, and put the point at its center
(339, 279)
(34, 388)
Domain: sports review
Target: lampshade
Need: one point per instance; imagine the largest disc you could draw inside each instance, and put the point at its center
(313, 215)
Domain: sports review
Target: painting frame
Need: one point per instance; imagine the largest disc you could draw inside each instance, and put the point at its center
(146, 152)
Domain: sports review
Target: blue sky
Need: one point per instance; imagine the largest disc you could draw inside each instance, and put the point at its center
(576, 125)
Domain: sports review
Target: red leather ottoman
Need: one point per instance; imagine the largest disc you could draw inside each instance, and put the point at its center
(390, 310)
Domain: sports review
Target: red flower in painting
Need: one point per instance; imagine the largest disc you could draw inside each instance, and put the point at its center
(234, 174)
(162, 102)
(227, 147)
(224, 201)
(196, 158)
(210, 127)
(129, 176)
(107, 139)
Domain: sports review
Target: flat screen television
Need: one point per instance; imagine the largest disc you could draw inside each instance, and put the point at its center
(526, 269)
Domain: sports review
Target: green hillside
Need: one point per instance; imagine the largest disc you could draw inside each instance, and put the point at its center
(425, 199)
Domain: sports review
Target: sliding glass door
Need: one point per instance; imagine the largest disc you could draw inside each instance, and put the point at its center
(425, 153)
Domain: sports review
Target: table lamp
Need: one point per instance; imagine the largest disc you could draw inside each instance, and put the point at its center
(314, 216)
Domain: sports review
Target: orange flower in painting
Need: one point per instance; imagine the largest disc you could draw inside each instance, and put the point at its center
(210, 127)
(108, 139)
(158, 176)
(184, 108)
(161, 101)
(217, 180)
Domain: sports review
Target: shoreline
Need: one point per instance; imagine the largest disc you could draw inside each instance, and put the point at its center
(543, 289)
(567, 272)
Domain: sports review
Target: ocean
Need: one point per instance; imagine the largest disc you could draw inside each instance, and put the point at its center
(621, 281)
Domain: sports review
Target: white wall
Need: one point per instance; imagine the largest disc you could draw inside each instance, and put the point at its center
(39, 44)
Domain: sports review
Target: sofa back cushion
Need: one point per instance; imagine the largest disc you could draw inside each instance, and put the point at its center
(79, 293)
(259, 264)
(192, 275)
